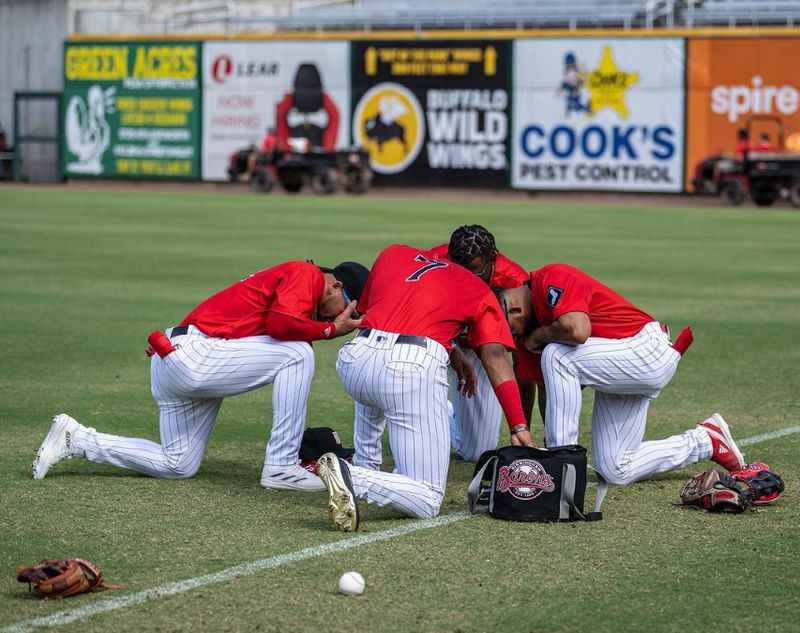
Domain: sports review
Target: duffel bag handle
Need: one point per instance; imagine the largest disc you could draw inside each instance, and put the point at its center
(474, 490)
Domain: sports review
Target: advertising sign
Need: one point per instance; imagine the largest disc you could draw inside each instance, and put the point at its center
(598, 114)
(434, 112)
(131, 109)
(301, 89)
(732, 80)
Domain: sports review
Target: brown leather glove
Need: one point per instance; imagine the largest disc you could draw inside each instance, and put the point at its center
(62, 578)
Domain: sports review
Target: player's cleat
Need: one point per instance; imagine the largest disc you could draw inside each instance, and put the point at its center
(725, 452)
(342, 507)
(57, 445)
(293, 477)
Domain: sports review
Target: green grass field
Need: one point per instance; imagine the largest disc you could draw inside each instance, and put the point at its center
(86, 275)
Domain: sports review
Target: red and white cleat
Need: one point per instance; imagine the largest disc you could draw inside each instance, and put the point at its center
(725, 452)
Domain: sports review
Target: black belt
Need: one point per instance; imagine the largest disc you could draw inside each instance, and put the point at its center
(179, 330)
(408, 339)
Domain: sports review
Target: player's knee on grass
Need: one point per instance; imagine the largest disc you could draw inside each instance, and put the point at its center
(183, 467)
(615, 473)
(428, 507)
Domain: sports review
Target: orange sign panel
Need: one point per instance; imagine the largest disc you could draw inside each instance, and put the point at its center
(729, 81)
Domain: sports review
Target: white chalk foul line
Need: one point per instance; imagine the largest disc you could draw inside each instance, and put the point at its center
(755, 439)
(248, 569)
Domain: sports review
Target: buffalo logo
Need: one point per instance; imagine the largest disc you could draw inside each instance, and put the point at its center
(388, 122)
(525, 479)
(553, 295)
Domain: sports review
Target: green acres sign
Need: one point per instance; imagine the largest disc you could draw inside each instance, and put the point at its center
(132, 109)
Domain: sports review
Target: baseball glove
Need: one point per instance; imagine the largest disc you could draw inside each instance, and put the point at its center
(765, 485)
(62, 578)
(715, 491)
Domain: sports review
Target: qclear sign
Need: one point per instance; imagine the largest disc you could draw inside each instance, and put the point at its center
(301, 89)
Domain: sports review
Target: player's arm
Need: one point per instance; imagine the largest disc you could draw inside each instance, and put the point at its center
(289, 327)
(494, 359)
(571, 328)
(467, 380)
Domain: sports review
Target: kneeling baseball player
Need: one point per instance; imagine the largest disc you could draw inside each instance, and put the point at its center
(588, 335)
(396, 371)
(475, 426)
(254, 333)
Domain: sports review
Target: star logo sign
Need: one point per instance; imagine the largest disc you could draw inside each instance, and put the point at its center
(608, 84)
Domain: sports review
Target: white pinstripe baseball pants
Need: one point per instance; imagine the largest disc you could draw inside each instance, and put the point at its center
(405, 386)
(189, 385)
(475, 425)
(626, 375)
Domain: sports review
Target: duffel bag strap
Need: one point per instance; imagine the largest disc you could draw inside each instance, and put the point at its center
(567, 504)
(600, 495)
(475, 491)
(568, 483)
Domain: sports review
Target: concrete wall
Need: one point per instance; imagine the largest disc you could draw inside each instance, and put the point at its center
(32, 34)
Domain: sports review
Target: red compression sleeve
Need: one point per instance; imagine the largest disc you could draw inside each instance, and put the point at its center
(508, 395)
(288, 328)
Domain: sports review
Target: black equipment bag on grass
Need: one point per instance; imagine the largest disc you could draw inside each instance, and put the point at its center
(519, 483)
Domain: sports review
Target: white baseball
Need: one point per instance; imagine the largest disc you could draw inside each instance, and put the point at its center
(351, 584)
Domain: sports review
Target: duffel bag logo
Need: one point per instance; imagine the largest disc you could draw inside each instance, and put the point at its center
(525, 479)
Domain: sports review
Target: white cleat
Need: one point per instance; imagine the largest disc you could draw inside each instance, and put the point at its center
(342, 508)
(57, 445)
(293, 477)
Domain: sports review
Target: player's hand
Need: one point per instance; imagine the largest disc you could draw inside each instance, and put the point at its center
(345, 323)
(535, 341)
(467, 380)
(523, 438)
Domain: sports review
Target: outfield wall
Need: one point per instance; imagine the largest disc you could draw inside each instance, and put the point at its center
(607, 111)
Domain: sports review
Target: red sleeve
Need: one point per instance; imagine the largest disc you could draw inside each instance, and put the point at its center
(565, 292)
(508, 273)
(299, 291)
(288, 328)
(489, 325)
(332, 131)
(282, 131)
(529, 366)
(438, 252)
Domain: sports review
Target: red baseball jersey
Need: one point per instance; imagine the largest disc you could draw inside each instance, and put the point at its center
(293, 289)
(559, 288)
(507, 273)
(410, 292)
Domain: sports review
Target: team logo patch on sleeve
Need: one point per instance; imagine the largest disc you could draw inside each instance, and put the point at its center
(553, 295)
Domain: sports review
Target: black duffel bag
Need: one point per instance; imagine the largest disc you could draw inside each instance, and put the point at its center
(519, 483)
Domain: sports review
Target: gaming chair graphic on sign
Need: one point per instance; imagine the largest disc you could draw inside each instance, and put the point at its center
(307, 111)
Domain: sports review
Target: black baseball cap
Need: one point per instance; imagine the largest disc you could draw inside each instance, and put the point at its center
(320, 440)
(353, 277)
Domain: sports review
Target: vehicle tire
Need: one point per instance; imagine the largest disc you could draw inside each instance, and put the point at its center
(323, 182)
(765, 197)
(261, 181)
(733, 193)
(291, 180)
(357, 180)
(794, 195)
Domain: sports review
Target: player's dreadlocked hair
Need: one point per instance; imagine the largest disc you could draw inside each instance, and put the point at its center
(470, 241)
